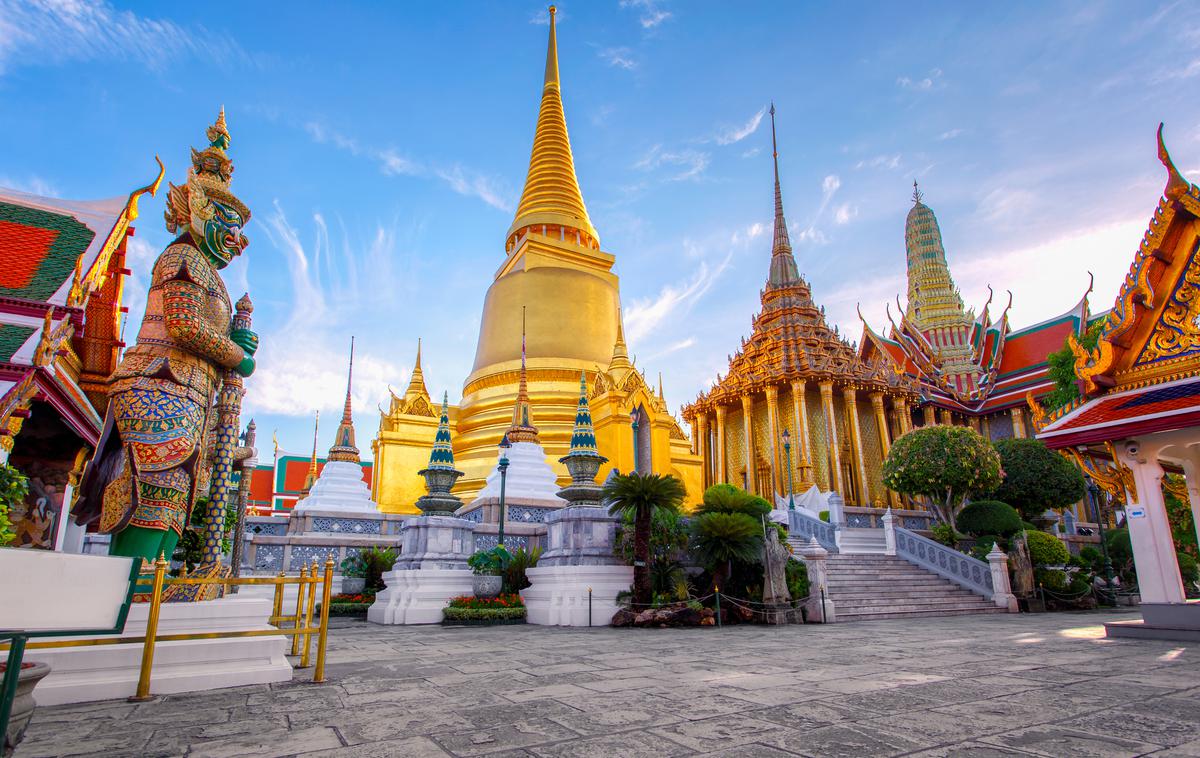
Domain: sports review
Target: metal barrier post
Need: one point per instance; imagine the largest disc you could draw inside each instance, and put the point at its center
(299, 611)
(16, 652)
(277, 605)
(311, 589)
(717, 592)
(326, 596)
(143, 686)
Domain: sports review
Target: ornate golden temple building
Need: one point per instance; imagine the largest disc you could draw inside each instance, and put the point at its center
(554, 273)
(795, 373)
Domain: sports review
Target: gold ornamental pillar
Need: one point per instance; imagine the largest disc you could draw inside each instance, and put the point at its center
(973, 421)
(1018, 422)
(705, 456)
(773, 431)
(884, 442)
(930, 420)
(905, 418)
(986, 430)
(800, 412)
(748, 425)
(720, 474)
(834, 457)
(851, 396)
(946, 417)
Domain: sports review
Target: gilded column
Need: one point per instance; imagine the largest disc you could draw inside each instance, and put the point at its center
(773, 431)
(800, 411)
(884, 443)
(851, 396)
(705, 457)
(905, 414)
(973, 422)
(1018, 422)
(929, 417)
(946, 417)
(834, 457)
(720, 474)
(748, 425)
(986, 430)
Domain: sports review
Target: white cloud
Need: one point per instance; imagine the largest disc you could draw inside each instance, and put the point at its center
(58, 31)
(924, 83)
(458, 178)
(752, 152)
(734, 134)
(691, 163)
(643, 317)
(949, 134)
(674, 347)
(297, 382)
(621, 57)
(32, 184)
(830, 184)
(844, 213)
(890, 162)
(651, 14)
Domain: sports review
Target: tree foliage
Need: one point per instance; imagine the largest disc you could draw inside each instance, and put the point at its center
(1046, 549)
(728, 529)
(945, 464)
(642, 495)
(981, 517)
(1062, 370)
(1036, 478)
(14, 487)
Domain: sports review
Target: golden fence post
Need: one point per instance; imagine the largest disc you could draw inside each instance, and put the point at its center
(277, 605)
(308, 614)
(299, 611)
(326, 596)
(143, 686)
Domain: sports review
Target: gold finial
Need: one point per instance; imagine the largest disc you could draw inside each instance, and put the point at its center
(1176, 184)
(917, 196)
(218, 133)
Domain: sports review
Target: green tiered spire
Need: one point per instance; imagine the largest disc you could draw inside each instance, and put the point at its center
(442, 456)
(583, 438)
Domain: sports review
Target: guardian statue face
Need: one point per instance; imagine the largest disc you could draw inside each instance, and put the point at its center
(220, 235)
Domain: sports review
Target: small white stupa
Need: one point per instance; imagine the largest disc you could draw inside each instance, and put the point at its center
(340, 487)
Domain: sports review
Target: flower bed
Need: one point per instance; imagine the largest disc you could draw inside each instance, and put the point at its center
(470, 610)
(349, 605)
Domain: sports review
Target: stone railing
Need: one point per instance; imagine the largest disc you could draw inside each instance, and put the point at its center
(803, 525)
(962, 569)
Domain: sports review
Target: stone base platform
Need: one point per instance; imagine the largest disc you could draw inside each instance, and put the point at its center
(1161, 621)
(559, 595)
(417, 596)
(103, 672)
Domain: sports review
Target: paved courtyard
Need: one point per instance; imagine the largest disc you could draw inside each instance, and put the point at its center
(1047, 685)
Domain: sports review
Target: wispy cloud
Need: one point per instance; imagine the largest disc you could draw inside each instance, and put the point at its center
(691, 163)
(58, 31)
(643, 317)
(650, 14)
(674, 347)
(621, 57)
(32, 184)
(391, 162)
(844, 214)
(890, 162)
(933, 80)
(730, 135)
(752, 152)
(949, 134)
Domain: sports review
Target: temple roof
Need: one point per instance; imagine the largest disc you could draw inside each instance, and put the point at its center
(551, 195)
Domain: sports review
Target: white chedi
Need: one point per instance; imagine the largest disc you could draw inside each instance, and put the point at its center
(340, 487)
(529, 476)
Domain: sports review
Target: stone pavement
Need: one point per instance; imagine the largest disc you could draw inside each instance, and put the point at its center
(1047, 685)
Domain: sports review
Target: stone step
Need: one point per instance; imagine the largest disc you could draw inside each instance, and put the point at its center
(913, 614)
(921, 592)
(910, 602)
(886, 581)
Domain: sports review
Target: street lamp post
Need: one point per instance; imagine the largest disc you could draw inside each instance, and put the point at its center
(787, 453)
(1093, 492)
(504, 446)
(636, 442)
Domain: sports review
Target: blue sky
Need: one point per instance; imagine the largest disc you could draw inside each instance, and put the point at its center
(382, 148)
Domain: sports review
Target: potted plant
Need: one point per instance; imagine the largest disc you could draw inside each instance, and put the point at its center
(489, 567)
(354, 574)
(32, 672)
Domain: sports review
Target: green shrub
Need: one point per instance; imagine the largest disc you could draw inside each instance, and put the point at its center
(14, 487)
(944, 464)
(1052, 579)
(945, 534)
(824, 516)
(796, 575)
(346, 609)
(989, 517)
(376, 561)
(1036, 478)
(1189, 571)
(483, 614)
(721, 537)
(503, 600)
(1046, 549)
(985, 543)
(491, 562)
(514, 573)
(725, 498)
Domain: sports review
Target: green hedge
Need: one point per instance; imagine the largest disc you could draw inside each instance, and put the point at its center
(483, 614)
(1046, 549)
(343, 609)
(989, 517)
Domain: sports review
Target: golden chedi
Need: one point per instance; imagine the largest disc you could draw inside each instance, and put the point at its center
(555, 277)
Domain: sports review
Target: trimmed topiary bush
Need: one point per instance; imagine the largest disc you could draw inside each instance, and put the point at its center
(945, 464)
(1046, 549)
(1189, 571)
(1036, 478)
(989, 517)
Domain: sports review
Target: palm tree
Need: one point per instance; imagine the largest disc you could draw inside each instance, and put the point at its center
(642, 496)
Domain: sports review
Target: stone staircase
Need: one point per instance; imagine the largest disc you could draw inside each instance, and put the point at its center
(870, 585)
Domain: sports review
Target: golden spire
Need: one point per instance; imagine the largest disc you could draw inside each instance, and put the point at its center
(311, 477)
(661, 395)
(783, 265)
(343, 448)
(522, 429)
(620, 355)
(416, 382)
(551, 196)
